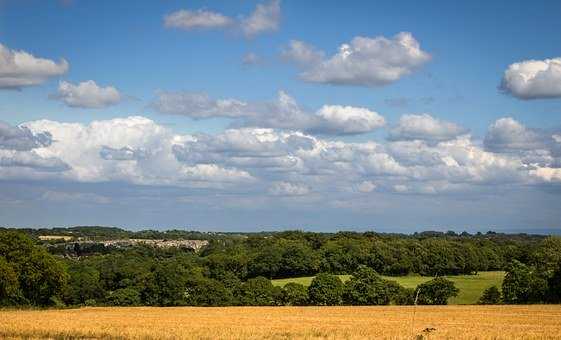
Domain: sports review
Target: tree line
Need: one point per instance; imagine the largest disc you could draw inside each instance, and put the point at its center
(237, 270)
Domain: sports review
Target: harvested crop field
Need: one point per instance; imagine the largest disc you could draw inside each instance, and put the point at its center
(390, 322)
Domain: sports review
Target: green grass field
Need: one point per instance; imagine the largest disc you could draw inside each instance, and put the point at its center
(471, 286)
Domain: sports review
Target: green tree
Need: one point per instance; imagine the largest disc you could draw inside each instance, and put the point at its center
(326, 290)
(521, 285)
(41, 277)
(124, 297)
(554, 286)
(366, 287)
(490, 296)
(294, 294)
(436, 291)
(83, 285)
(208, 292)
(257, 292)
(167, 284)
(9, 286)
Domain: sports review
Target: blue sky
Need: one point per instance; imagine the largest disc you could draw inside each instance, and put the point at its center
(469, 47)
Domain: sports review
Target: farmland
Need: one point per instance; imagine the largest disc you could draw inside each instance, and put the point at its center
(395, 322)
(471, 286)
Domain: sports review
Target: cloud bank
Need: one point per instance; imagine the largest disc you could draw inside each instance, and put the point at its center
(265, 161)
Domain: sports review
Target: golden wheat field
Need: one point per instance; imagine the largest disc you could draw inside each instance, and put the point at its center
(387, 322)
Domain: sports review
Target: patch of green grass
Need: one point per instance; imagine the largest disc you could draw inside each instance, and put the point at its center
(471, 286)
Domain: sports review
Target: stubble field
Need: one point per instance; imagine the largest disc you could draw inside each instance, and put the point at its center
(384, 322)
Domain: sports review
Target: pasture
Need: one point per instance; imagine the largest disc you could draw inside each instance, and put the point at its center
(374, 322)
(471, 286)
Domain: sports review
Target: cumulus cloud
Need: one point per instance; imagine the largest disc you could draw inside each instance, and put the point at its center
(536, 147)
(364, 61)
(199, 19)
(20, 69)
(31, 159)
(284, 113)
(21, 138)
(533, 79)
(348, 119)
(272, 163)
(87, 94)
(425, 127)
(265, 18)
(131, 150)
(508, 135)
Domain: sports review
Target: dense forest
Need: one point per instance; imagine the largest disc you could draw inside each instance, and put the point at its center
(235, 269)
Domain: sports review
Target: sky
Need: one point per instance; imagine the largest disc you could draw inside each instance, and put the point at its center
(393, 116)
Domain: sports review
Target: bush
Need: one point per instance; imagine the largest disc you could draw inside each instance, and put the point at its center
(491, 296)
(436, 291)
(326, 290)
(294, 294)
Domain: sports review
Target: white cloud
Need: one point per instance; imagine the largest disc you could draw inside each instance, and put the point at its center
(122, 154)
(508, 135)
(533, 79)
(21, 138)
(534, 147)
(289, 189)
(19, 69)
(425, 127)
(348, 119)
(251, 59)
(302, 54)
(97, 152)
(197, 105)
(364, 61)
(366, 186)
(265, 18)
(264, 162)
(284, 113)
(30, 159)
(87, 94)
(199, 19)
(547, 174)
(67, 197)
